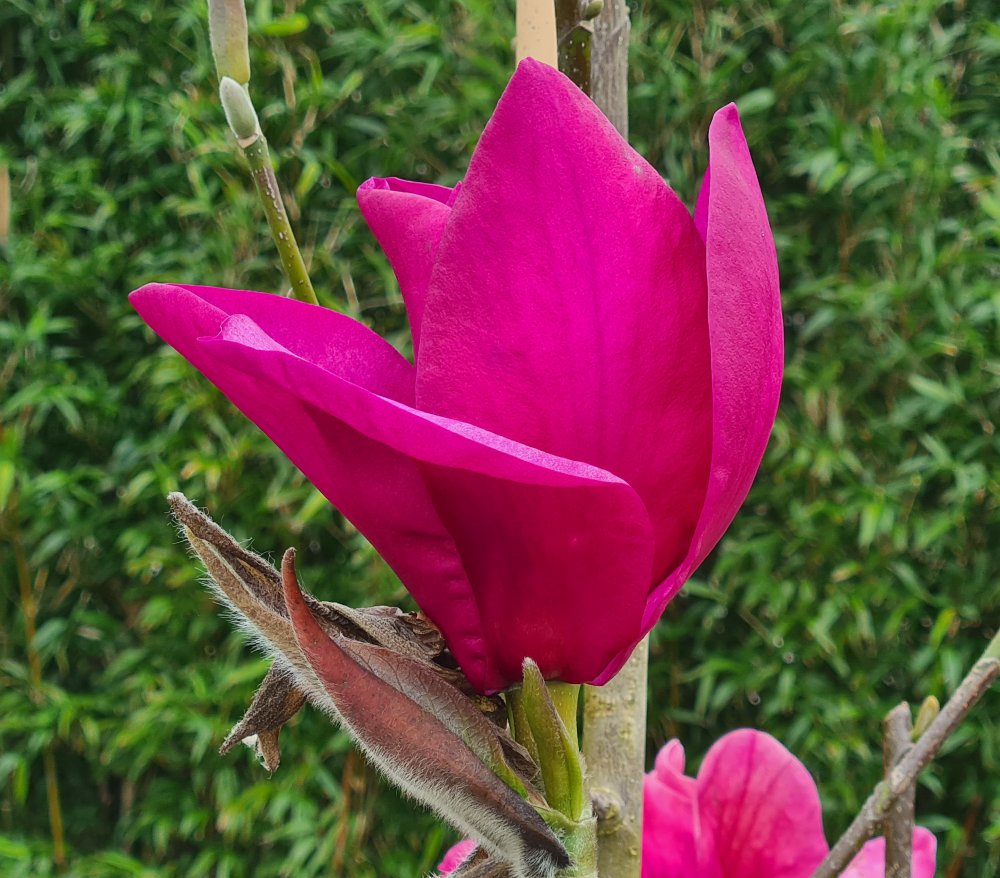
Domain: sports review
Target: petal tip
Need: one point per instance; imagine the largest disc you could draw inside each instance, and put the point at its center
(671, 758)
(727, 117)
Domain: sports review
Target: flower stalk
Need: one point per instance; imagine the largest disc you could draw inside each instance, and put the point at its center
(536, 31)
(266, 183)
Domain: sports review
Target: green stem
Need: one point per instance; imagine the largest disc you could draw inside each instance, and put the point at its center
(566, 698)
(255, 149)
(573, 39)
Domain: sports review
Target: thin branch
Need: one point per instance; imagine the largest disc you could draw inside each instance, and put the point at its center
(905, 773)
(898, 826)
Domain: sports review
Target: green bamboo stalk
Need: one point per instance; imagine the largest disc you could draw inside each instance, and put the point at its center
(29, 610)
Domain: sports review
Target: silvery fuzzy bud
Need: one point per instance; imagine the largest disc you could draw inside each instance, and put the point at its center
(240, 114)
(417, 751)
(375, 673)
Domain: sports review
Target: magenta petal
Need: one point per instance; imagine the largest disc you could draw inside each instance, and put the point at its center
(670, 820)
(509, 550)
(759, 809)
(567, 305)
(870, 861)
(744, 316)
(407, 218)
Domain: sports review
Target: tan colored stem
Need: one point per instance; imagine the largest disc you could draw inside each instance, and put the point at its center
(614, 747)
(4, 204)
(536, 31)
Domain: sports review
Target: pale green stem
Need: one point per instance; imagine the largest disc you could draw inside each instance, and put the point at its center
(579, 836)
(519, 722)
(566, 698)
(255, 149)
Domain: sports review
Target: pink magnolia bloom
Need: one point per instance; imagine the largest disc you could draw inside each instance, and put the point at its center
(596, 375)
(752, 812)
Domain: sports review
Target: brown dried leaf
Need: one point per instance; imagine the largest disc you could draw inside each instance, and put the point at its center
(482, 865)
(276, 701)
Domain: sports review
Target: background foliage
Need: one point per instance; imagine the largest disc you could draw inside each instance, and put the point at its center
(862, 570)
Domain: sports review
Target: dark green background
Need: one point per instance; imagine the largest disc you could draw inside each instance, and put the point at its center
(863, 568)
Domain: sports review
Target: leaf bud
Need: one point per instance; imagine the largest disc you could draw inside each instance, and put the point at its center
(928, 712)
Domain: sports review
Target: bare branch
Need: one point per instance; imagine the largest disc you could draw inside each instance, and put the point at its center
(898, 827)
(905, 773)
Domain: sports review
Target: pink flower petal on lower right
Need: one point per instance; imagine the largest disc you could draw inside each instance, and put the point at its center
(670, 819)
(759, 808)
(870, 861)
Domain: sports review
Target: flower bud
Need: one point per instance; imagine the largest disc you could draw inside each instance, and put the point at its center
(240, 114)
(227, 31)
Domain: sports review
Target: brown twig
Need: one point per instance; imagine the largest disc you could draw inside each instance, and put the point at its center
(898, 825)
(954, 869)
(904, 775)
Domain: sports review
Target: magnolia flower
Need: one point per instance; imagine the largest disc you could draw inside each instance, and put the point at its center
(752, 812)
(596, 375)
